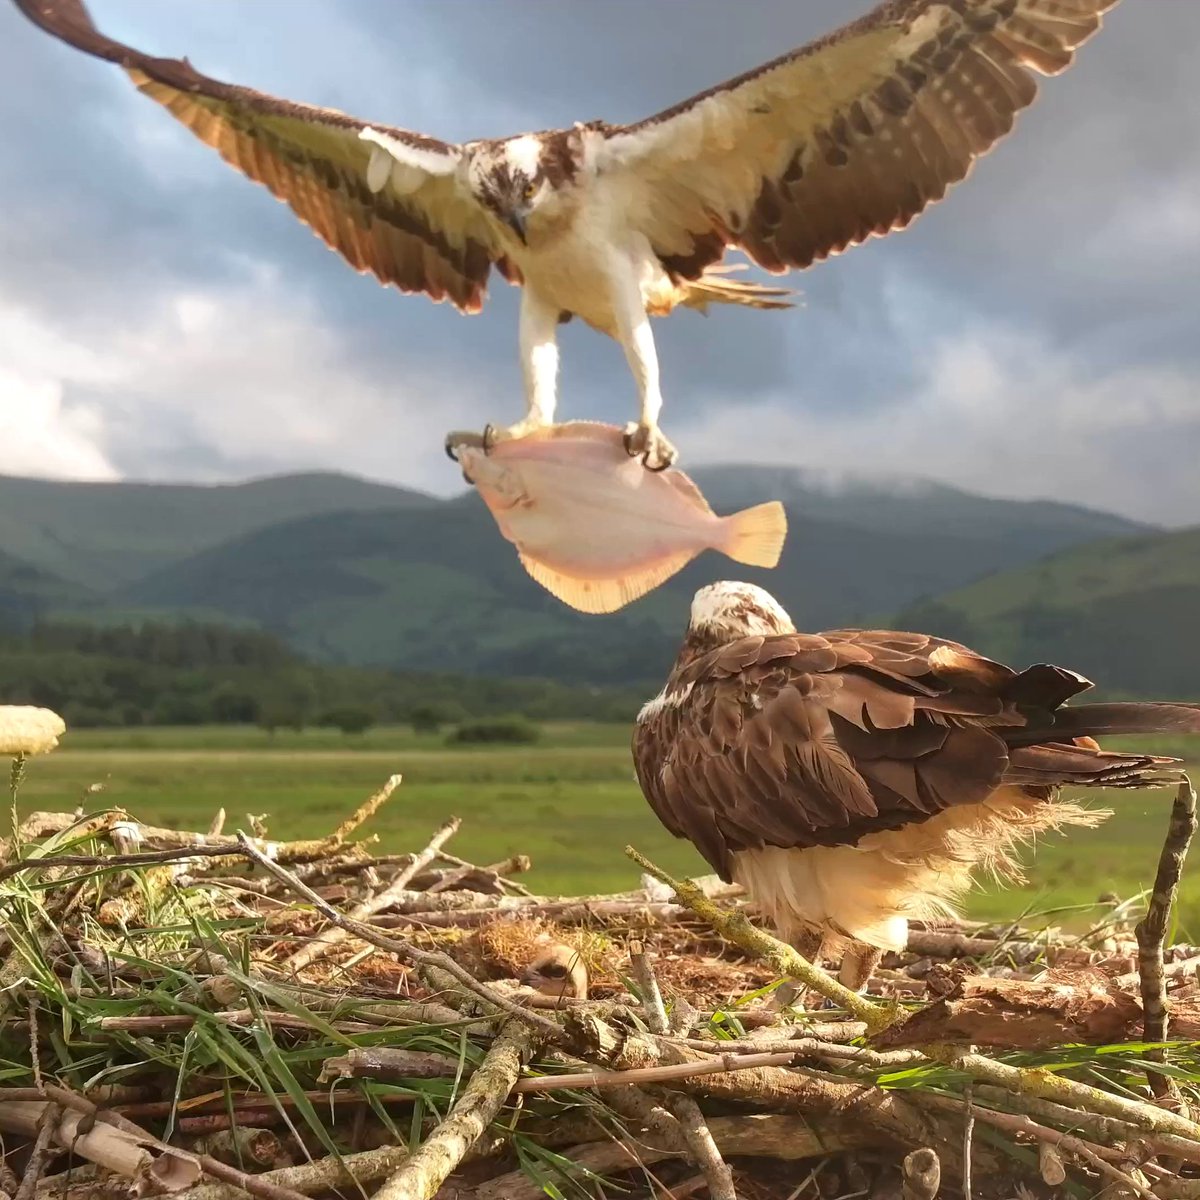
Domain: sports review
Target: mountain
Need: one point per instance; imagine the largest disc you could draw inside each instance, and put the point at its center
(27, 593)
(363, 573)
(435, 587)
(906, 505)
(105, 535)
(1121, 611)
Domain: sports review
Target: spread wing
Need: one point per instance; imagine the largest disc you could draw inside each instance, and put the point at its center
(386, 199)
(844, 139)
(805, 740)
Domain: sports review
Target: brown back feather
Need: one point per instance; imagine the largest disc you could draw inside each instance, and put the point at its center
(819, 739)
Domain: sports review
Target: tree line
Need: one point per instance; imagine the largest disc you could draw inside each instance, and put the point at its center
(197, 673)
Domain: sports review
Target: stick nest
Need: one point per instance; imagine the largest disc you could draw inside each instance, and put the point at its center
(214, 1016)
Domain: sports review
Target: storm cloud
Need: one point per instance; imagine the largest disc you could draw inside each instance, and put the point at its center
(161, 317)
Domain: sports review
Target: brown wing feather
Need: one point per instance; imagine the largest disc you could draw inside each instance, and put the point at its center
(429, 240)
(847, 138)
(818, 739)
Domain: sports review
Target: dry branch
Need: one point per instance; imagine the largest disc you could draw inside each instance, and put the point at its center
(406, 952)
(783, 958)
(481, 1100)
(705, 1152)
(1151, 931)
(103, 1143)
(328, 938)
(1013, 1014)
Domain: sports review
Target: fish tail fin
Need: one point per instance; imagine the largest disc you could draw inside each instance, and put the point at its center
(756, 535)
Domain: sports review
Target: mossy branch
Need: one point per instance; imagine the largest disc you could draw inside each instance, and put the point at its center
(783, 958)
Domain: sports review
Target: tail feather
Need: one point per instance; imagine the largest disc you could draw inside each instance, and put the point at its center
(1086, 720)
(755, 536)
(714, 288)
(1060, 764)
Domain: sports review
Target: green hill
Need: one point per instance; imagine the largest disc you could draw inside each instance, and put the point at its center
(1121, 611)
(28, 593)
(104, 535)
(436, 588)
(362, 573)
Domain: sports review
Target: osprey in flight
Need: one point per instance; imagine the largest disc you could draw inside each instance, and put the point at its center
(830, 144)
(851, 780)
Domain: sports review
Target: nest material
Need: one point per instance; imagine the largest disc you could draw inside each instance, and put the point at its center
(214, 1017)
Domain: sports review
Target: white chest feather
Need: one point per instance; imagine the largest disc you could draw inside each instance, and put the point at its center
(585, 260)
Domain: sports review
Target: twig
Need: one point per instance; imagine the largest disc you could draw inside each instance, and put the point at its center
(47, 1127)
(717, 1065)
(388, 1062)
(420, 1176)
(328, 938)
(1151, 930)
(365, 811)
(652, 1001)
(104, 861)
(107, 1141)
(314, 1177)
(783, 958)
(922, 1175)
(548, 1030)
(1035, 1081)
(968, 1142)
(1100, 1157)
(1096, 1127)
(703, 1147)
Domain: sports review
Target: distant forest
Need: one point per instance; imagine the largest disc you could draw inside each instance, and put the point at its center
(195, 673)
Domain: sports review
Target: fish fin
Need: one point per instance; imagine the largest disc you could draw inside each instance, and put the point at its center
(603, 595)
(756, 535)
(687, 488)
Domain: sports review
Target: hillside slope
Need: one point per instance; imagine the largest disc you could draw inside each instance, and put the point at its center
(27, 593)
(105, 535)
(1121, 611)
(438, 588)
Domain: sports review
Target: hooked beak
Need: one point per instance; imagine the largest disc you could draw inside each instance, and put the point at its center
(516, 222)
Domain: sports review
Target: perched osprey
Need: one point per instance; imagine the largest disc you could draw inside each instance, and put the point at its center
(841, 140)
(852, 780)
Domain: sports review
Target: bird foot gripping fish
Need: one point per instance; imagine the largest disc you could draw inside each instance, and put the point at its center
(594, 528)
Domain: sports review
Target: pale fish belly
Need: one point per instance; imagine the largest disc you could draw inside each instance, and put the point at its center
(590, 526)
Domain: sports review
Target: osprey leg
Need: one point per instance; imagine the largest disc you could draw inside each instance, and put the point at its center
(644, 439)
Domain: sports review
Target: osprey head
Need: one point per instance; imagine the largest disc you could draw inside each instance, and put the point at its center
(726, 611)
(521, 178)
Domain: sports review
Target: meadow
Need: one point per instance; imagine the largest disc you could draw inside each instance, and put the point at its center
(570, 802)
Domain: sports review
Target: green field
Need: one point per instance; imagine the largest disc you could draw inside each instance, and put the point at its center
(569, 802)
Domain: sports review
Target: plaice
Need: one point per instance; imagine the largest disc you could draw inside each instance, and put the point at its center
(597, 529)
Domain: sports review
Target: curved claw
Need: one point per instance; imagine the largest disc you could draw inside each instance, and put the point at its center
(665, 465)
(449, 448)
(489, 438)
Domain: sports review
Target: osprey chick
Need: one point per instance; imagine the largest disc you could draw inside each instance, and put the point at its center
(852, 780)
(841, 140)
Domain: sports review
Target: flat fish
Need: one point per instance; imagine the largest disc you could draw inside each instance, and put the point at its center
(597, 529)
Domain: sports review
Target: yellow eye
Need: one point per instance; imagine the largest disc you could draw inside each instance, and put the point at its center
(530, 191)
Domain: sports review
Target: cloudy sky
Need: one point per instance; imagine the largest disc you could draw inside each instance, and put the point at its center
(1038, 335)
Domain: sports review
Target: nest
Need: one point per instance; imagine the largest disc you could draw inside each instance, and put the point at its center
(214, 1016)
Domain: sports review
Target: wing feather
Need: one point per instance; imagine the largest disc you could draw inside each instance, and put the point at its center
(842, 140)
(425, 236)
(802, 740)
